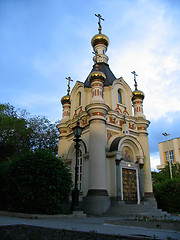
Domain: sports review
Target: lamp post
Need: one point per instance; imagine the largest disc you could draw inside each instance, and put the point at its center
(77, 130)
(170, 169)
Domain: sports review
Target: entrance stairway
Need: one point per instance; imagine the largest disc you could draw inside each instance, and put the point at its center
(119, 209)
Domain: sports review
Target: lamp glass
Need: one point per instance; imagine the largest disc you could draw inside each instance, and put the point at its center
(77, 130)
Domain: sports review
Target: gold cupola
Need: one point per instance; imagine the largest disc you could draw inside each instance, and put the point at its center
(100, 39)
(100, 43)
(97, 76)
(137, 94)
(65, 99)
(137, 100)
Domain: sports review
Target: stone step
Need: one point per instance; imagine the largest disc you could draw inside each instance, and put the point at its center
(129, 215)
(138, 206)
(125, 209)
(134, 210)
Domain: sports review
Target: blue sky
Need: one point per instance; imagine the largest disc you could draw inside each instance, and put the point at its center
(43, 42)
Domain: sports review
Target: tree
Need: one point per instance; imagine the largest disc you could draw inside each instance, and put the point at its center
(44, 134)
(37, 182)
(20, 132)
(14, 134)
(167, 190)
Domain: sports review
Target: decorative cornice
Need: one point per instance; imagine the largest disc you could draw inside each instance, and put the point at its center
(97, 113)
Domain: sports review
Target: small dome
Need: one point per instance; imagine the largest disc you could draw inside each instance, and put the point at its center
(100, 39)
(137, 94)
(97, 75)
(65, 99)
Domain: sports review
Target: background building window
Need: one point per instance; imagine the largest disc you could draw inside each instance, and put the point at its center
(167, 156)
(171, 155)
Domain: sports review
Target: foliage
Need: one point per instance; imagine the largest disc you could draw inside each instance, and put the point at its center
(37, 182)
(20, 132)
(3, 179)
(165, 173)
(167, 190)
(44, 134)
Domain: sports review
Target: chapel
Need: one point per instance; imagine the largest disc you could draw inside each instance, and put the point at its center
(113, 158)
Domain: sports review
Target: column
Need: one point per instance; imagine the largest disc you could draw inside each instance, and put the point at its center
(141, 180)
(97, 200)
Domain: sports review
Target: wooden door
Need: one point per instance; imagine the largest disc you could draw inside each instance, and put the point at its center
(129, 185)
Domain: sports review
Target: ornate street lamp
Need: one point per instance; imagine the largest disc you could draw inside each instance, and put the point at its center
(77, 130)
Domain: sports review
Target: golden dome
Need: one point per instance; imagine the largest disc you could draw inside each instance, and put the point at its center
(137, 94)
(97, 75)
(65, 99)
(100, 39)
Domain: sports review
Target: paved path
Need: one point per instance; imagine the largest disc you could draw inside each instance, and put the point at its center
(90, 224)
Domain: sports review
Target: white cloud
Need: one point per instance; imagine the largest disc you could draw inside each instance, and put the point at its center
(155, 160)
(157, 62)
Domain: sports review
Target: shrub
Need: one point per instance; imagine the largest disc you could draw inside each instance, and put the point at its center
(167, 190)
(38, 182)
(167, 194)
(3, 182)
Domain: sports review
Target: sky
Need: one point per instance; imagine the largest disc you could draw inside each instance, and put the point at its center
(43, 42)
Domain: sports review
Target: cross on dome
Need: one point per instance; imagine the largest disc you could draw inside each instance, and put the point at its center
(135, 75)
(68, 85)
(100, 18)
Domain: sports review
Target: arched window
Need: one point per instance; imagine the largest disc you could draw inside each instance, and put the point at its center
(80, 169)
(119, 96)
(79, 98)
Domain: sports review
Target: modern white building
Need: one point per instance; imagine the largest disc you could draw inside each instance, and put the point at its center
(169, 150)
(114, 159)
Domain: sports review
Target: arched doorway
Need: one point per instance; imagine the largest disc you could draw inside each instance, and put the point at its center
(129, 177)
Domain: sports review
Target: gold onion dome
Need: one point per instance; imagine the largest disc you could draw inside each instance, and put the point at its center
(65, 99)
(100, 39)
(97, 75)
(137, 94)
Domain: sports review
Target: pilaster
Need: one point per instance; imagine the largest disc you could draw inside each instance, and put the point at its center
(142, 125)
(97, 200)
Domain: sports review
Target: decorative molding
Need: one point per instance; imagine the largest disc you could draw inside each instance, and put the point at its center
(118, 109)
(141, 128)
(121, 122)
(97, 113)
(125, 111)
(77, 111)
(96, 84)
(112, 120)
(131, 126)
(110, 133)
(62, 131)
(85, 121)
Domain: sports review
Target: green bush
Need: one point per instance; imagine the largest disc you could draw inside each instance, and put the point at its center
(167, 194)
(167, 190)
(37, 182)
(3, 182)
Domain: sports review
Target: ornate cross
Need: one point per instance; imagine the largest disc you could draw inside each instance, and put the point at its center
(135, 75)
(69, 81)
(100, 18)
